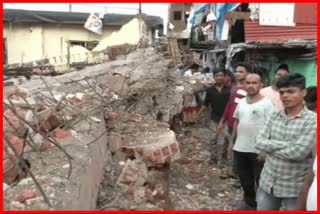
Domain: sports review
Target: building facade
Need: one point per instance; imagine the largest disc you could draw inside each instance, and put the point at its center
(37, 35)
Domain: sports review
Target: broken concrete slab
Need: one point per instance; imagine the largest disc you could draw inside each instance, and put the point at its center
(115, 82)
(129, 28)
(114, 142)
(88, 161)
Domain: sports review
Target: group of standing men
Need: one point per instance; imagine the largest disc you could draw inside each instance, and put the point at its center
(272, 137)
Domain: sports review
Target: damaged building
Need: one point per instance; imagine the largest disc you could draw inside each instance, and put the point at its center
(222, 34)
(112, 134)
(60, 37)
(109, 137)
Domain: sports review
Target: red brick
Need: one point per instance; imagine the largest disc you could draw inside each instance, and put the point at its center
(184, 161)
(167, 159)
(130, 192)
(13, 119)
(166, 151)
(48, 120)
(25, 195)
(11, 91)
(135, 118)
(160, 146)
(126, 180)
(148, 155)
(112, 115)
(129, 174)
(130, 152)
(46, 145)
(60, 133)
(139, 151)
(53, 121)
(10, 170)
(157, 157)
(41, 106)
(16, 142)
(133, 170)
(73, 100)
(8, 91)
(174, 148)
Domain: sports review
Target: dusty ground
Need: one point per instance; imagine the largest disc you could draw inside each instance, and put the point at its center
(196, 184)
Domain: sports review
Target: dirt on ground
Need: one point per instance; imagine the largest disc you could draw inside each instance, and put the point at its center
(195, 183)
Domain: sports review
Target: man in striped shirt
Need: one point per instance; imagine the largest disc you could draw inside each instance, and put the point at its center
(288, 138)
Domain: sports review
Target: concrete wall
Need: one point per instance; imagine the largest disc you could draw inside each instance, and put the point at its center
(29, 42)
(24, 42)
(60, 34)
(179, 25)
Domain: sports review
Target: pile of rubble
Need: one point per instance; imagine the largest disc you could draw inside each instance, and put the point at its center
(115, 124)
(42, 131)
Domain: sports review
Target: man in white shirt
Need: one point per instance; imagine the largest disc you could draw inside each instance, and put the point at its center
(250, 115)
(307, 199)
(312, 193)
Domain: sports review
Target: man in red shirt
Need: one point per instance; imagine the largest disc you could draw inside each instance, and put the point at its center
(237, 92)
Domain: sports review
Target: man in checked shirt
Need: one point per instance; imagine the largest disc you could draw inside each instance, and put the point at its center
(288, 138)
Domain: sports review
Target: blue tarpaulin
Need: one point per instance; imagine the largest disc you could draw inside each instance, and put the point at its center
(221, 10)
(198, 14)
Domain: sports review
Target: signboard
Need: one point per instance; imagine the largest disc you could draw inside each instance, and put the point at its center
(94, 24)
(276, 14)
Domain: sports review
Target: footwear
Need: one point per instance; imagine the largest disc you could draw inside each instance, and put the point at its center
(243, 206)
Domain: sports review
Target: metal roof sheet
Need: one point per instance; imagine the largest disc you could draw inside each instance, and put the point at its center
(256, 32)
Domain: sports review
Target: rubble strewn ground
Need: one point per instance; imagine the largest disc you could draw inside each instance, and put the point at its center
(196, 184)
(118, 124)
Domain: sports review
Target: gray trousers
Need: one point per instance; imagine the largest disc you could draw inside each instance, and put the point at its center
(268, 201)
(219, 145)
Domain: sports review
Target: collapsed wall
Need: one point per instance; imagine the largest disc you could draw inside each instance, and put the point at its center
(111, 123)
(130, 33)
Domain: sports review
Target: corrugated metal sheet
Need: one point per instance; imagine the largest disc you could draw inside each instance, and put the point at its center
(305, 13)
(258, 33)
